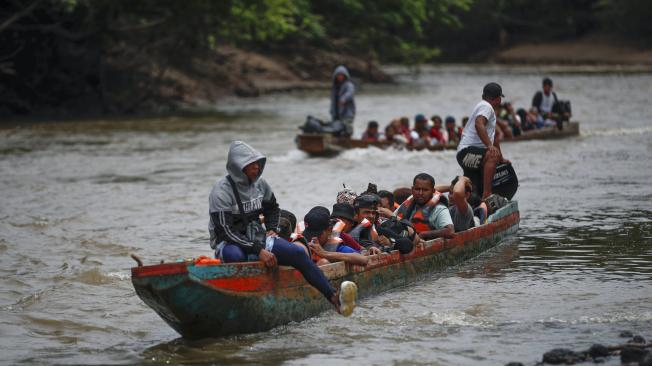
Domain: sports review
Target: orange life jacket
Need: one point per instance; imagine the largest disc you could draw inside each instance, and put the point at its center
(421, 214)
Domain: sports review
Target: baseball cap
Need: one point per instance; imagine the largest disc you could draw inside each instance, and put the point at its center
(492, 90)
(343, 210)
(420, 118)
(450, 119)
(316, 221)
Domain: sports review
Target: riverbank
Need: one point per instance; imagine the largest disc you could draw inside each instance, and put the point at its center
(591, 50)
(198, 82)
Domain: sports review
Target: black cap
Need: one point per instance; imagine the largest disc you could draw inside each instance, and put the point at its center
(450, 119)
(316, 221)
(492, 90)
(366, 200)
(547, 81)
(343, 211)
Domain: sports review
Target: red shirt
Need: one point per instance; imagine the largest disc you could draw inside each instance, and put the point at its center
(436, 134)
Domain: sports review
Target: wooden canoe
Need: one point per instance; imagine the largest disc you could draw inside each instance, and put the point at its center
(201, 301)
(329, 145)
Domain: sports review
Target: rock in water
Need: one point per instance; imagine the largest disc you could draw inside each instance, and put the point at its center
(560, 356)
(626, 334)
(638, 339)
(598, 350)
(647, 360)
(632, 354)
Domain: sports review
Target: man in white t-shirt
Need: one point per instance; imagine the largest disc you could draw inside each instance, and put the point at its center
(544, 100)
(478, 153)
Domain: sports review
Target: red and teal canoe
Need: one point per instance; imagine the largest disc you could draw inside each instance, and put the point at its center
(215, 300)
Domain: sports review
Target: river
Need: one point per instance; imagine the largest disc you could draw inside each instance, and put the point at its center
(78, 197)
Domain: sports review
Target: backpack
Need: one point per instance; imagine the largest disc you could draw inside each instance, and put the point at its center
(315, 125)
(397, 232)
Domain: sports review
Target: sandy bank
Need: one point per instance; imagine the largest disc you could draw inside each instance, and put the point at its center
(588, 50)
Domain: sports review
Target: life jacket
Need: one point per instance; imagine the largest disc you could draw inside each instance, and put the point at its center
(421, 214)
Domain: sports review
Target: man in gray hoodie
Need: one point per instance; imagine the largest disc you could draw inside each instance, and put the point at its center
(342, 102)
(227, 225)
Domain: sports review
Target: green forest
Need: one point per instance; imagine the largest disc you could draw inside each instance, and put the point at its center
(110, 55)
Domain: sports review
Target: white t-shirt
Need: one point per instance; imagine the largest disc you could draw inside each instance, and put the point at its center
(547, 101)
(470, 135)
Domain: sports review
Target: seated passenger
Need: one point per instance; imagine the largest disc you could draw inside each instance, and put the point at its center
(386, 207)
(460, 210)
(404, 128)
(419, 136)
(371, 134)
(344, 214)
(230, 219)
(393, 133)
(503, 129)
(452, 133)
(287, 225)
(317, 235)
(390, 133)
(508, 114)
(365, 218)
(528, 121)
(400, 195)
(436, 131)
(424, 209)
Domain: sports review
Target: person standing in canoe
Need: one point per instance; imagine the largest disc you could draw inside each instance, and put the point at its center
(236, 234)
(342, 101)
(478, 153)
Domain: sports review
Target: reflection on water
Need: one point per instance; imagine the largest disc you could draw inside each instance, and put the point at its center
(599, 246)
(78, 197)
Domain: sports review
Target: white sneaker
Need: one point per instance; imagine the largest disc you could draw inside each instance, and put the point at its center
(348, 295)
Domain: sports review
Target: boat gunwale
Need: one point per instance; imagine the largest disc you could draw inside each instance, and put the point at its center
(325, 144)
(333, 271)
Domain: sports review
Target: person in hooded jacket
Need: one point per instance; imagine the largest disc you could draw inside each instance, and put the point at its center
(342, 101)
(227, 225)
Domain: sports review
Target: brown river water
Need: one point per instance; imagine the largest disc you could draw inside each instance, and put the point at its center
(78, 197)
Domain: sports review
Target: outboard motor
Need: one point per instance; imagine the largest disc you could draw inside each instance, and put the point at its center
(505, 182)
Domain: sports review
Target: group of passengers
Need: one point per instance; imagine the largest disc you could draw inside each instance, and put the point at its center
(546, 111)
(246, 223)
(425, 133)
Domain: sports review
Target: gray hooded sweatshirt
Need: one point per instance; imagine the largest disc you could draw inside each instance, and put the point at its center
(342, 93)
(226, 224)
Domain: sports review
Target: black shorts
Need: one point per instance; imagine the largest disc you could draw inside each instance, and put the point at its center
(471, 159)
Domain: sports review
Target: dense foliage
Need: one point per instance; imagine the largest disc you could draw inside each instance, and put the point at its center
(91, 51)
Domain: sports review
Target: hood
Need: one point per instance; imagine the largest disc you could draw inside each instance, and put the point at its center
(341, 70)
(241, 155)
